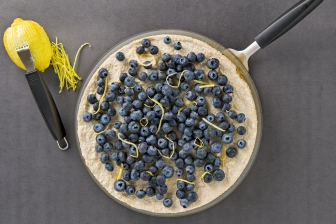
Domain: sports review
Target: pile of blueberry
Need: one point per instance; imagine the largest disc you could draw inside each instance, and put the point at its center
(159, 125)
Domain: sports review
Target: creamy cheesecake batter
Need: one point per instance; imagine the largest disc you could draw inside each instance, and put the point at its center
(242, 103)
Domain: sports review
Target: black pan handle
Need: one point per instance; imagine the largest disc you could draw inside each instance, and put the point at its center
(47, 107)
(286, 21)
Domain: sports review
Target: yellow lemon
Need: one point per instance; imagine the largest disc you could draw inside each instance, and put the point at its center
(27, 32)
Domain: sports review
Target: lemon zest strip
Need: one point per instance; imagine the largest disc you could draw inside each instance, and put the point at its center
(78, 51)
(162, 113)
(201, 82)
(118, 176)
(150, 106)
(188, 182)
(167, 181)
(215, 126)
(61, 63)
(102, 97)
(104, 129)
(185, 106)
(223, 156)
(130, 143)
(173, 151)
(204, 174)
(143, 119)
(206, 86)
(150, 173)
(145, 55)
(201, 142)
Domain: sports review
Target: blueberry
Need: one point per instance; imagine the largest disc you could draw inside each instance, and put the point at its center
(227, 98)
(145, 176)
(159, 196)
(127, 175)
(147, 65)
(241, 130)
(199, 162)
(140, 193)
(228, 88)
(208, 167)
(134, 127)
(202, 125)
(105, 119)
(103, 73)
(200, 57)
(122, 156)
(140, 50)
(159, 163)
(191, 95)
(129, 81)
(104, 158)
(241, 143)
(142, 76)
(100, 82)
(200, 100)
(120, 100)
(152, 182)
(202, 111)
(167, 40)
(190, 177)
(231, 128)
(151, 91)
(241, 118)
(130, 190)
(179, 163)
(191, 56)
(210, 117)
(91, 98)
(135, 174)
(184, 86)
(160, 180)
(142, 147)
(212, 75)
(190, 169)
(120, 56)
(146, 43)
(133, 63)
(153, 50)
(192, 196)
(167, 90)
(207, 178)
(227, 138)
(216, 90)
(184, 203)
(162, 75)
(99, 148)
(217, 162)
(180, 194)
(178, 46)
(226, 107)
(197, 133)
(220, 117)
(216, 102)
(166, 57)
(231, 152)
(147, 158)
(150, 191)
(218, 175)
(151, 140)
(119, 185)
(167, 171)
(153, 129)
(189, 75)
(98, 127)
(212, 63)
(136, 115)
(162, 143)
(152, 75)
(167, 202)
(87, 117)
(222, 80)
(190, 122)
(179, 173)
(108, 146)
(216, 147)
(122, 77)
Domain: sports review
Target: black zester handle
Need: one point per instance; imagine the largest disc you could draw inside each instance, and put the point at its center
(47, 107)
(286, 21)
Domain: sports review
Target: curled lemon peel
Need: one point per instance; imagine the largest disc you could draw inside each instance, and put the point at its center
(150, 173)
(104, 129)
(201, 82)
(200, 141)
(185, 106)
(152, 62)
(215, 126)
(162, 113)
(61, 63)
(143, 119)
(188, 182)
(173, 151)
(207, 86)
(78, 51)
(130, 143)
(118, 176)
(102, 97)
(204, 174)
(149, 106)
(179, 81)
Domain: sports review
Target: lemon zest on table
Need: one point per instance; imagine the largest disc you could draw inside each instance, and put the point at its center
(162, 113)
(130, 143)
(215, 126)
(102, 97)
(143, 119)
(200, 141)
(185, 106)
(188, 182)
(78, 51)
(145, 55)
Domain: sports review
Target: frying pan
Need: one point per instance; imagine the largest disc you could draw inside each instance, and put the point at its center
(280, 26)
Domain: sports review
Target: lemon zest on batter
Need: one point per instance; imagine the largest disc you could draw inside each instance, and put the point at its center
(206, 86)
(215, 126)
(130, 143)
(104, 129)
(143, 119)
(150, 106)
(162, 113)
(118, 176)
(223, 156)
(204, 174)
(145, 55)
(188, 182)
(173, 146)
(200, 141)
(150, 173)
(185, 106)
(102, 97)
(179, 81)
(201, 82)
(167, 181)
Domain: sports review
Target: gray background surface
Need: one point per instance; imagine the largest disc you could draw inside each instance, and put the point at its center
(293, 178)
